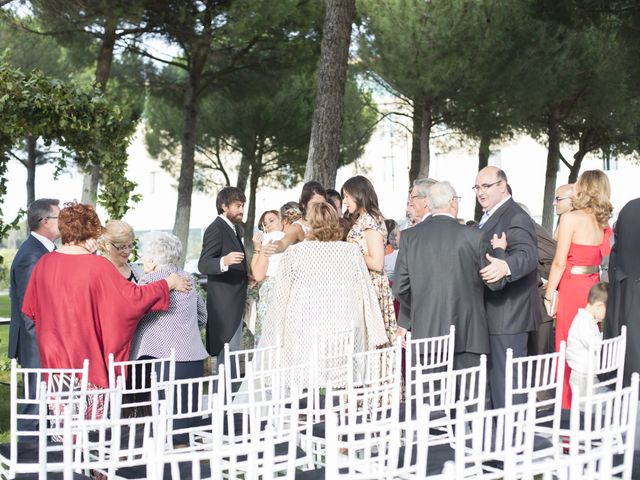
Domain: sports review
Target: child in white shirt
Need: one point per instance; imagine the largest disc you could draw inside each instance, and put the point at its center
(584, 334)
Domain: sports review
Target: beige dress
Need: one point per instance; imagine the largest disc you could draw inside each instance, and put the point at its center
(378, 279)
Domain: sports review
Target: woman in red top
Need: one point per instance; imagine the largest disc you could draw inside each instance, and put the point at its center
(583, 240)
(82, 306)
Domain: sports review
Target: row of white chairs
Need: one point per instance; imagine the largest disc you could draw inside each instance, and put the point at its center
(430, 380)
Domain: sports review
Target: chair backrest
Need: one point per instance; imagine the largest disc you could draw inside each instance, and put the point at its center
(608, 416)
(60, 412)
(444, 392)
(236, 362)
(248, 459)
(542, 375)
(137, 375)
(382, 365)
(331, 357)
(504, 435)
(187, 402)
(605, 363)
(245, 423)
(425, 356)
(380, 448)
(55, 380)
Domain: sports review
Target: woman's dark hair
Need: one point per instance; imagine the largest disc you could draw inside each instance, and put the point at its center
(310, 189)
(78, 222)
(333, 195)
(227, 196)
(261, 221)
(361, 190)
(392, 232)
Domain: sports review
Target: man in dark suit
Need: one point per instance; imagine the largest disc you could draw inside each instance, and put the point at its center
(437, 278)
(512, 311)
(223, 261)
(42, 218)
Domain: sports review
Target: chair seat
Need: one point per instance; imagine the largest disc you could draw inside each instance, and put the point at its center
(185, 469)
(28, 451)
(280, 451)
(433, 415)
(437, 456)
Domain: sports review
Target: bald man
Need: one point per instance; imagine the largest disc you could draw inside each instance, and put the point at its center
(513, 311)
(562, 199)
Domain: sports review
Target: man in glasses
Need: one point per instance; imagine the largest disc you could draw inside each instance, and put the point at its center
(42, 219)
(512, 312)
(418, 198)
(562, 201)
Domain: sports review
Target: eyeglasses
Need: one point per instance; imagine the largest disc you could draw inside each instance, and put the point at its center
(456, 197)
(484, 187)
(122, 248)
(411, 197)
(42, 218)
(561, 198)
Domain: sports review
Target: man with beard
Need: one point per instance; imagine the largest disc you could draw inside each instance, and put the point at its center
(223, 261)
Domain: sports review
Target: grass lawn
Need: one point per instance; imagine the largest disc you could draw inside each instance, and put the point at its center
(4, 381)
(5, 306)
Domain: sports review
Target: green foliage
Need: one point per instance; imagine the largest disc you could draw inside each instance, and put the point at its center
(77, 119)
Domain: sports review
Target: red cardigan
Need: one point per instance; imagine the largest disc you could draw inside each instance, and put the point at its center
(84, 308)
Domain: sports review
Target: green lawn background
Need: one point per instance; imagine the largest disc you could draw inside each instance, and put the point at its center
(5, 365)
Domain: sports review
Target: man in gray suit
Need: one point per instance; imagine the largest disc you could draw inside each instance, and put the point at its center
(437, 278)
(42, 218)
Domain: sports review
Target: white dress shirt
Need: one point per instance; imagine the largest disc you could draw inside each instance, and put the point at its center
(48, 244)
(223, 267)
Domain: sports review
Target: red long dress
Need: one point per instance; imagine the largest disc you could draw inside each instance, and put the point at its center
(84, 308)
(573, 291)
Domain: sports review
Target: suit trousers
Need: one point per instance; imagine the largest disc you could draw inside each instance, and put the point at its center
(497, 361)
(234, 345)
(29, 357)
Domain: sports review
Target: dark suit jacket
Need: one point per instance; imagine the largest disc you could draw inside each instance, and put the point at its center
(514, 309)
(226, 291)
(437, 281)
(546, 252)
(22, 331)
(624, 287)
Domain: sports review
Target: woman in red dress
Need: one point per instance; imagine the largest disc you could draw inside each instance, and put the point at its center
(82, 306)
(583, 240)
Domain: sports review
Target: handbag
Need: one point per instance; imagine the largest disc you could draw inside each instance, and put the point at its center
(553, 305)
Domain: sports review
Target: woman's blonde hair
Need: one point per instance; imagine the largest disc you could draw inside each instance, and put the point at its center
(593, 191)
(324, 223)
(115, 231)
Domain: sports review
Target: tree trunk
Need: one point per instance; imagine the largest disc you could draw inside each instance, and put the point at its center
(425, 139)
(553, 162)
(484, 152)
(415, 141)
(256, 172)
(324, 146)
(31, 143)
(574, 171)
(187, 158)
(91, 179)
(246, 161)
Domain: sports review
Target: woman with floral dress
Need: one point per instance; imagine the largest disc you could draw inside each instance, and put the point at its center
(369, 233)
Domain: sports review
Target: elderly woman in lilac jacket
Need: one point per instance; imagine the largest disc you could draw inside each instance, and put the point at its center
(178, 327)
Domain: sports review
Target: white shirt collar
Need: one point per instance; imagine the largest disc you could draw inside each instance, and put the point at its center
(444, 214)
(224, 217)
(48, 244)
(497, 206)
(426, 215)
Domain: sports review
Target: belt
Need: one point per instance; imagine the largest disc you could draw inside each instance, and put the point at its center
(585, 269)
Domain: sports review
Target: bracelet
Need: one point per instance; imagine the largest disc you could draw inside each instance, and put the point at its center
(547, 299)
